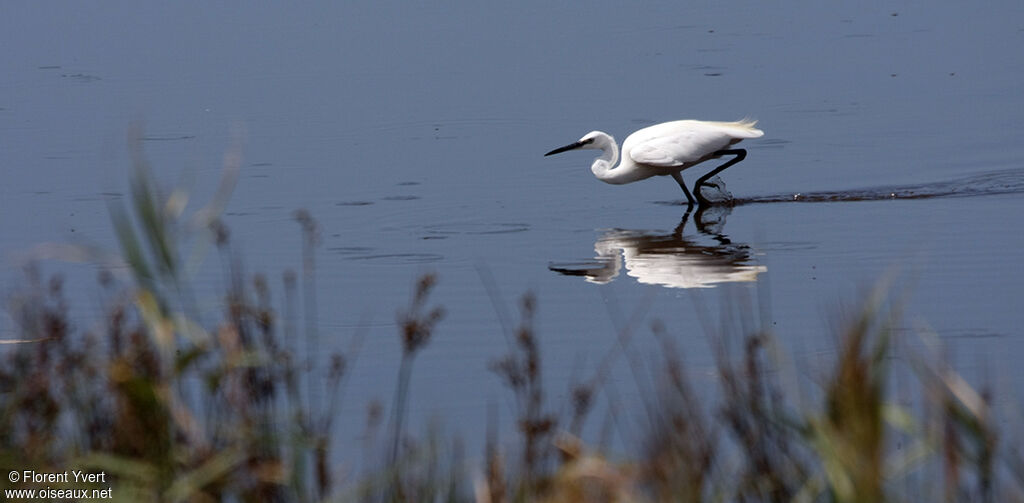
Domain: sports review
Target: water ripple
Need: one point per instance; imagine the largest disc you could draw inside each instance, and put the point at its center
(1010, 181)
(399, 258)
(476, 228)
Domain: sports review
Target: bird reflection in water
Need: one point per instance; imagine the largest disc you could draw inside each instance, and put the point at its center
(670, 260)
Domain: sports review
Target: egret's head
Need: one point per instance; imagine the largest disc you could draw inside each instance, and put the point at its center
(591, 140)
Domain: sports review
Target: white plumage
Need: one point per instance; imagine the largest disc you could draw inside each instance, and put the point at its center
(666, 149)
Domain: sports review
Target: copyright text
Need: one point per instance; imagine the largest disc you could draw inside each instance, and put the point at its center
(36, 489)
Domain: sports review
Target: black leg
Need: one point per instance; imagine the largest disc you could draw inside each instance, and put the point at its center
(679, 179)
(740, 155)
(678, 232)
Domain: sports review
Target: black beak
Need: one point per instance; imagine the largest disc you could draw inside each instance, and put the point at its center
(571, 146)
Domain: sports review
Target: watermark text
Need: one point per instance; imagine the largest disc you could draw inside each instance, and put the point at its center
(35, 480)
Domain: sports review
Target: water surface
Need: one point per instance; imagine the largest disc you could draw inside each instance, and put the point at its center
(414, 135)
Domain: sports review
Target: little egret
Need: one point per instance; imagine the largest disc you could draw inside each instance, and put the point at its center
(666, 149)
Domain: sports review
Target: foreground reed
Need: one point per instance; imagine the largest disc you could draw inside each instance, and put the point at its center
(174, 407)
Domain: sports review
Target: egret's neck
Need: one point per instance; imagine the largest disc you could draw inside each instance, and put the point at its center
(602, 167)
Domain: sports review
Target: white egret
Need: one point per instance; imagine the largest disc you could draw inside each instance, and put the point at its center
(666, 149)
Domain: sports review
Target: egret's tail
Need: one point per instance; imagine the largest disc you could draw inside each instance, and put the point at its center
(744, 128)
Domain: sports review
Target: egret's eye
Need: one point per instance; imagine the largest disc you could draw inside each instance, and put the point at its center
(588, 140)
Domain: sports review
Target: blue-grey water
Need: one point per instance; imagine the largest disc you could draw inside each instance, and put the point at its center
(414, 135)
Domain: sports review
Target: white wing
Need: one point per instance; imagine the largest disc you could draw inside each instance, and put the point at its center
(680, 142)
